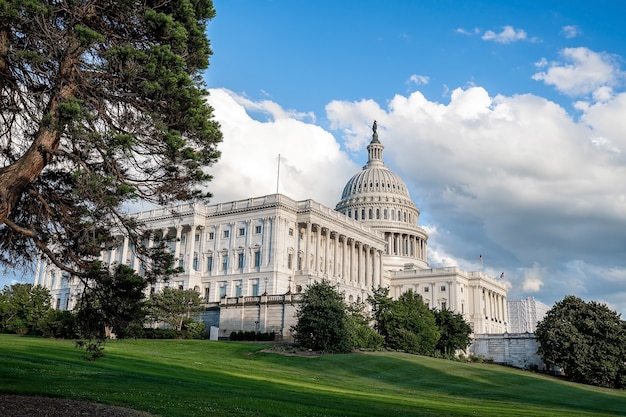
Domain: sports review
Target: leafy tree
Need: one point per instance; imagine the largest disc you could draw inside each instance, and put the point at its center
(587, 340)
(174, 306)
(322, 320)
(406, 323)
(113, 303)
(23, 308)
(454, 332)
(363, 335)
(101, 104)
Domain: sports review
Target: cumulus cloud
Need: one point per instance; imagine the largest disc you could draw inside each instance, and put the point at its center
(508, 35)
(516, 178)
(311, 162)
(570, 31)
(582, 72)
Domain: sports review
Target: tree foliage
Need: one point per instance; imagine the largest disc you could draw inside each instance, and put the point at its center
(587, 340)
(322, 321)
(113, 303)
(363, 337)
(173, 306)
(24, 308)
(406, 323)
(101, 103)
(454, 332)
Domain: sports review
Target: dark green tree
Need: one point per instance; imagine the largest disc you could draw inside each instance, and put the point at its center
(24, 308)
(322, 321)
(174, 306)
(362, 334)
(587, 340)
(406, 323)
(454, 332)
(114, 303)
(101, 104)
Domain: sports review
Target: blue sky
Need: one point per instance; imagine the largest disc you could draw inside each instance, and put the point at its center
(505, 120)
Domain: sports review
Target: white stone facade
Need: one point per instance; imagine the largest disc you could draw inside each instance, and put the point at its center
(524, 314)
(249, 259)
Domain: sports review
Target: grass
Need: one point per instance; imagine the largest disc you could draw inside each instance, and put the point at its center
(202, 378)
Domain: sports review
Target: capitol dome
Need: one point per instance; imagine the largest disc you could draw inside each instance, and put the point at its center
(379, 198)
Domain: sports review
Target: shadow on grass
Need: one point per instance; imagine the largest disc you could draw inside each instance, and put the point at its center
(200, 378)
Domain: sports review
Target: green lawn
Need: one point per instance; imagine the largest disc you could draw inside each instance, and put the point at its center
(202, 378)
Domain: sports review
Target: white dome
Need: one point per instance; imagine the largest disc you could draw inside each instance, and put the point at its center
(378, 197)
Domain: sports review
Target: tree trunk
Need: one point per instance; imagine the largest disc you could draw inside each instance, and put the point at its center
(15, 178)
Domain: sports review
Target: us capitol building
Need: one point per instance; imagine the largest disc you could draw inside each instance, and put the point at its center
(251, 259)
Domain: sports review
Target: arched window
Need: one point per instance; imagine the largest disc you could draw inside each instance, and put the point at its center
(385, 212)
(377, 214)
(371, 214)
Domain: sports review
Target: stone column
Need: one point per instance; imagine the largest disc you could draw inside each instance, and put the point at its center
(326, 251)
(335, 254)
(192, 248)
(368, 267)
(307, 249)
(124, 251)
(179, 231)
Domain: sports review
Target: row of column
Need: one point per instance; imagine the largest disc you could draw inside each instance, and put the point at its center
(200, 249)
(353, 261)
(402, 244)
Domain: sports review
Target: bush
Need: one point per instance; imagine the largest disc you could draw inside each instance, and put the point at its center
(251, 336)
(59, 324)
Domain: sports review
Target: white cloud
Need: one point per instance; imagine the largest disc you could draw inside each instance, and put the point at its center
(582, 72)
(570, 31)
(312, 165)
(508, 35)
(463, 31)
(533, 279)
(419, 79)
(513, 177)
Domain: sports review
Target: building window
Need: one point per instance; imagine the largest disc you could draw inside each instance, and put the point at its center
(211, 235)
(209, 263)
(356, 214)
(290, 231)
(225, 263)
(300, 262)
(255, 287)
(207, 292)
(350, 213)
(257, 229)
(425, 289)
(242, 231)
(196, 238)
(371, 214)
(238, 289)
(182, 240)
(195, 263)
(181, 263)
(289, 260)
(257, 258)
(223, 290)
(226, 233)
(362, 214)
(377, 214)
(240, 261)
(443, 305)
(443, 288)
